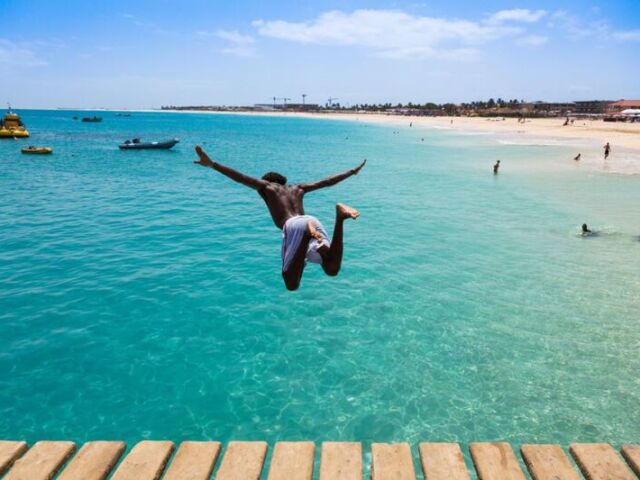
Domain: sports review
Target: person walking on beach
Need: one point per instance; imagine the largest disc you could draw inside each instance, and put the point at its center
(607, 150)
(304, 238)
(496, 167)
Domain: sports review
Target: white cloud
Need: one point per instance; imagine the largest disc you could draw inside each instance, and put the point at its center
(627, 36)
(238, 43)
(390, 33)
(19, 54)
(517, 15)
(576, 29)
(532, 41)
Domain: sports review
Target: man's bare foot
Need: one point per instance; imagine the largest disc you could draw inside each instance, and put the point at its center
(343, 211)
(313, 231)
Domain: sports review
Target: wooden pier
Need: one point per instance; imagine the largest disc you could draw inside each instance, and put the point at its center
(152, 460)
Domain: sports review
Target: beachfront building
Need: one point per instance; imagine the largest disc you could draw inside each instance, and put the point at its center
(552, 109)
(620, 105)
(591, 107)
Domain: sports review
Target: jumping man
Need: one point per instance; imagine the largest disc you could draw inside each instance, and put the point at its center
(304, 238)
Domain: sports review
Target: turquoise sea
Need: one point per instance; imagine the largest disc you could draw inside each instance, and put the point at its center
(141, 297)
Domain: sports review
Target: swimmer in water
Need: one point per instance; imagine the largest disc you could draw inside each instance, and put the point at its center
(577, 157)
(585, 229)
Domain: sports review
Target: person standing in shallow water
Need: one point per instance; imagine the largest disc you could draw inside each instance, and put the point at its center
(496, 167)
(607, 150)
(303, 236)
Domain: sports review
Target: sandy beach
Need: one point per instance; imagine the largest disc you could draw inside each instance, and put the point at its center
(588, 136)
(596, 132)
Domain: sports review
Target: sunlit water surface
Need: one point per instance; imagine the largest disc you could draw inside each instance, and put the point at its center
(140, 295)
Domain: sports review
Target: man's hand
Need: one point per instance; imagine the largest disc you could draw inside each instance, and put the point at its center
(205, 161)
(359, 167)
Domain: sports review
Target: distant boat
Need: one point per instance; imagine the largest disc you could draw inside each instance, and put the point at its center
(37, 150)
(136, 144)
(123, 114)
(93, 119)
(12, 127)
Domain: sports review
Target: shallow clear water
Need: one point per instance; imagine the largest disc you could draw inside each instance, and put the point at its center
(140, 295)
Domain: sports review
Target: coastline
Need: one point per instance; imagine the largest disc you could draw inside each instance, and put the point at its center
(585, 135)
(593, 132)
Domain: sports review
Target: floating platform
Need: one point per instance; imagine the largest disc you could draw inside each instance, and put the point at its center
(153, 460)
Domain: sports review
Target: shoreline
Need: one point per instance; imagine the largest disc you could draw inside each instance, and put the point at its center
(596, 132)
(587, 136)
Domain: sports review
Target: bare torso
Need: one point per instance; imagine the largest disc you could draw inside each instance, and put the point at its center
(283, 201)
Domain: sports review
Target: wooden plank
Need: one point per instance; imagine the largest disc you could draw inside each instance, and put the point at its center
(548, 462)
(145, 461)
(631, 454)
(341, 461)
(495, 461)
(599, 461)
(292, 461)
(242, 461)
(391, 461)
(9, 453)
(41, 462)
(443, 461)
(193, 461)
(94, 461)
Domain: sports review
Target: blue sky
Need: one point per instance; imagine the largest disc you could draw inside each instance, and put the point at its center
(150, 53)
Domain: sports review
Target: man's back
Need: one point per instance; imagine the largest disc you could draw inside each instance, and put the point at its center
(283, 201)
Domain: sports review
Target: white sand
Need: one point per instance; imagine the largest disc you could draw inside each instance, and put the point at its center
(588, 136)
(625, 135)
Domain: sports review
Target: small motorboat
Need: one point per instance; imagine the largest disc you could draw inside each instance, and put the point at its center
(93, 119)
(37, 150)
(136, 144)
(12, 127)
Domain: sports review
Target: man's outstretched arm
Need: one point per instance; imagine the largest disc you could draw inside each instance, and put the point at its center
(251, 182)
(329, 181)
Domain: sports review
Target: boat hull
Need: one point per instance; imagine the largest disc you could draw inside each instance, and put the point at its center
(149, 145)
(37, 150)
(13, 133)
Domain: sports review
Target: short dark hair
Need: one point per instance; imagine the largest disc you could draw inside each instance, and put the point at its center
(275, 178)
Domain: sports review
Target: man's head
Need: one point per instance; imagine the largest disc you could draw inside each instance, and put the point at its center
(275, 178)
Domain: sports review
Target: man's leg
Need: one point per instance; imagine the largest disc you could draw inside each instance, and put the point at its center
(332, 256)
(293, 275)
